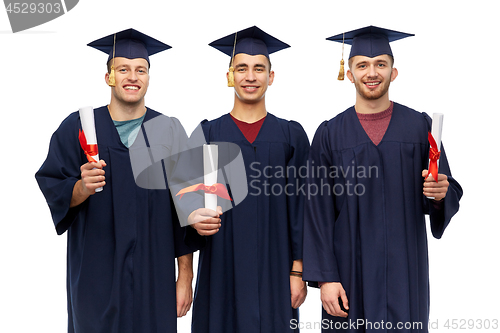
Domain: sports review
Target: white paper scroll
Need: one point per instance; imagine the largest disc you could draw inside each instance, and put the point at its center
(437, 131)
(437, 128)
(210, 158)
(88, 126)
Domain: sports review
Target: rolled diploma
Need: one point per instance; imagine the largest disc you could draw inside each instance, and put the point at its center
(88, 126)
(210, 158)
(437, 131)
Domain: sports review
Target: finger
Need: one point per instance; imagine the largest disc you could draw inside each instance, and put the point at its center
(210, 220)
(92, 173)
(219, 210)
(442, 181)
(207, 212)
(294, 302)
(337, 310)
(329, 308)
(184, 310)
(206, 219)
(300, 300)
(93, 180)
(94, 165)
(207, 226)
(425, 172)
(429, 178)
(344, 300)
(442, 177)
(94, 186)
(208, 232)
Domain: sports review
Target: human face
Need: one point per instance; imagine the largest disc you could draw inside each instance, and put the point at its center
(251, 77)
(132, 80)
(372, 76)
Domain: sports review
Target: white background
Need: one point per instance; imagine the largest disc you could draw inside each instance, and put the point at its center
(450, 66)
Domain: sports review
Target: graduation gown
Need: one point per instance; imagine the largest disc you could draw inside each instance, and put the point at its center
(367, 230)
(122, 242)
(243, 275)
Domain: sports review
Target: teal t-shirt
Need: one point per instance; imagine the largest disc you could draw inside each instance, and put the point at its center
(128, 130)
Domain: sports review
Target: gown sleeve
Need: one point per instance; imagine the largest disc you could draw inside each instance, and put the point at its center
(320, 263)
(440, 218)
(189, 171)
(186, 238)
(296, 198)
(60, 171)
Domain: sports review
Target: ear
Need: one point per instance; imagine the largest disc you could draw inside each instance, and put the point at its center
(106, 78)
(271, 78)
(350, 76)
(394, 74)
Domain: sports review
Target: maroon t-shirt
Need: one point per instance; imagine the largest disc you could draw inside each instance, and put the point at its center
(249, 130)
(375, 124)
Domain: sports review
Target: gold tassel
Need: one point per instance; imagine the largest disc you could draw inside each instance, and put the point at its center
(341, 72)
(112, 81)
(230, 77)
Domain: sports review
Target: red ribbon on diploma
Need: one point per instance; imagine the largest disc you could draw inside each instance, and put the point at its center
(434, 155)
(218, 189)
(90, 150)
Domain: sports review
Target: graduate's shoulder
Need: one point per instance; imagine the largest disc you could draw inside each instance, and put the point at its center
(292, 129)
(337, 122)
(293, 125)
(205, 123)
(412, 115)
(159, 117)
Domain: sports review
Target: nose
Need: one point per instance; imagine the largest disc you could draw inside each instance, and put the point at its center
(372, 71)
(132, 76)
(250, 76)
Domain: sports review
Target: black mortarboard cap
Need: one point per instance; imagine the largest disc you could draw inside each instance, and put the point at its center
(252, 41)
(129, 44)
(369, 41)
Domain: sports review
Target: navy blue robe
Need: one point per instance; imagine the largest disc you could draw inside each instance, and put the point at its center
(368, 229)
(244, 270)
(122, 242)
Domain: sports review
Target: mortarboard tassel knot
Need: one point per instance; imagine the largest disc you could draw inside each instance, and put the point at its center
(230, 77)
(341, 72)
(112, 81)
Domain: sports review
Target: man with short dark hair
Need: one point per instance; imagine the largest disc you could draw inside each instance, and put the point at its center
(250, 270)
(365, 240)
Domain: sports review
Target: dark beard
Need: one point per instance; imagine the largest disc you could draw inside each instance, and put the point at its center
(371, 96)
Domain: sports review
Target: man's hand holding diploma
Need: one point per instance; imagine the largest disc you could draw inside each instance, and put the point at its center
(92, 177)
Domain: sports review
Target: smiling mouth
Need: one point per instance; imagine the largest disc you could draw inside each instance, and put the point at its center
(372, 84)
(131, 88)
